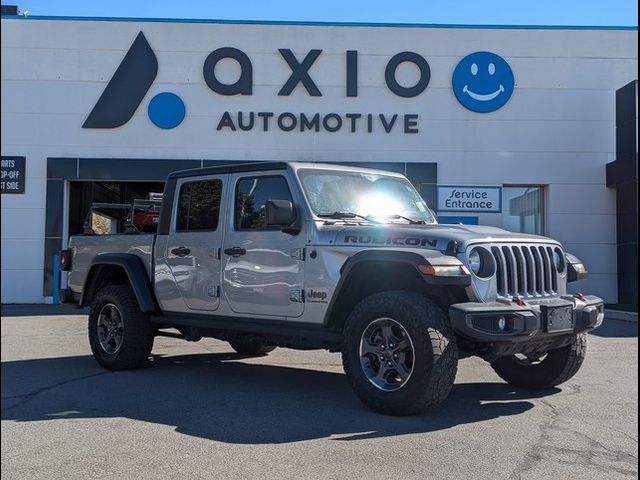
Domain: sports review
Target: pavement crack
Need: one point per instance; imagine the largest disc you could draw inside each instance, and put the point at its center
(596, 452)
(27, 397)
(533, 457)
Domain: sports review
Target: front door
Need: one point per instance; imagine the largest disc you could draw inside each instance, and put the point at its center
(193, 246)
(263, 266)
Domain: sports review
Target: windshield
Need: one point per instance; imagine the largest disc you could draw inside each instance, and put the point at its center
(375, 196)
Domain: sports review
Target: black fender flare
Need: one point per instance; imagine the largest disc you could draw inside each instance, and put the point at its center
(405, 258)
(135, 271)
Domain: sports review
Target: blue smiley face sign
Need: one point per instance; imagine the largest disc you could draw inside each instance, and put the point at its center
(483, 82)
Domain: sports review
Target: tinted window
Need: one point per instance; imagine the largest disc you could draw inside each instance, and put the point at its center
(251, 196)
(199, 205)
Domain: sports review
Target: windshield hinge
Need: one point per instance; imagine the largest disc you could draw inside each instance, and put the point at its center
(452, 248)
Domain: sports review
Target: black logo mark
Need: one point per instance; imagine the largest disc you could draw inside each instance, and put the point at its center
(127, 87)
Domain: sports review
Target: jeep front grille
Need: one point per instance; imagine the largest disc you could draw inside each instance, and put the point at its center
(525, 270)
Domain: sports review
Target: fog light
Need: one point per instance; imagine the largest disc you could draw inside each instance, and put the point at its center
(502, 324)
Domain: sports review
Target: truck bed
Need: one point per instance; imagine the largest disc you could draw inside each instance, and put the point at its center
(86, 247)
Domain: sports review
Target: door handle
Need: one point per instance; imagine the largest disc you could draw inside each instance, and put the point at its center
(235, 251)
(181, 251)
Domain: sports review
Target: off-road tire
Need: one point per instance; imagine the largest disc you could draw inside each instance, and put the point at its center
(557, 367)
(250, 347)
(138, 332)
(435, 352)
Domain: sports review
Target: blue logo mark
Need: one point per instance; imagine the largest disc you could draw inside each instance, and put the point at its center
(166, 110)
(483, 82)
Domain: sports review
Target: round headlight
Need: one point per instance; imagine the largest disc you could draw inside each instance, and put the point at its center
(558, 260)
(481, 262)
(475, 261)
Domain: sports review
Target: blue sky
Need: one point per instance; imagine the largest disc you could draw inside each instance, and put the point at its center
(472, 12)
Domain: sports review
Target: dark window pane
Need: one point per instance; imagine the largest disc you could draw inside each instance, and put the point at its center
(182, 221)
(251, 196)
(199, 205)
(523, 209)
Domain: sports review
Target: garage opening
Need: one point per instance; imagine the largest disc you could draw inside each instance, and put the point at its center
(106, 207)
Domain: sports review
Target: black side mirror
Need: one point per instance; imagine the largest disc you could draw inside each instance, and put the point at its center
(279, 213)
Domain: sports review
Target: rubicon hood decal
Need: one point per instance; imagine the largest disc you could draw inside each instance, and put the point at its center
(407, 238)
(432, 237)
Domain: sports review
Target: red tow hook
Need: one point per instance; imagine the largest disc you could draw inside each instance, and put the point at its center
(519, 301)
(580, 296)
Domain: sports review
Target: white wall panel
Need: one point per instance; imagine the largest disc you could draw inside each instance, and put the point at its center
(270, 69)
(22, 223)
(22, 285)
(549, 105)
(441, 135)
(190, 37)
(573, 228)
(23, 253)
(581, 199)
(35, 190)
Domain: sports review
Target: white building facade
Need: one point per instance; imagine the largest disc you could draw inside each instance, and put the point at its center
(511, 127)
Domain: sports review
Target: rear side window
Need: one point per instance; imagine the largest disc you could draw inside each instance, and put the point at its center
(251, 195)
(199, 205)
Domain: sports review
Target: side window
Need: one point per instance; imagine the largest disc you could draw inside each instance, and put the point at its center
(199, 205)
(251, 195)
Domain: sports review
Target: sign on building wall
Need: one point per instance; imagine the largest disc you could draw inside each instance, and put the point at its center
(453, 198)
(12, 174)
(482, 82)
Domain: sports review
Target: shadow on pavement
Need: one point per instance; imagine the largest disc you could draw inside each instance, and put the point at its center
(35, 310)
(218, 397)
(616, 328)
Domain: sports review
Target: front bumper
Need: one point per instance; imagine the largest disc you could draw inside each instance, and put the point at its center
(529, 321)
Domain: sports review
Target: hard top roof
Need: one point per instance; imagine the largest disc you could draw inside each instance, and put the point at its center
(264, 166)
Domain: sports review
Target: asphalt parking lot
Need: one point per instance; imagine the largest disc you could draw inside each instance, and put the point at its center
(200, 411)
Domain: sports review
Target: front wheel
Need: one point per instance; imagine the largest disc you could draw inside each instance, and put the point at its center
(120, 335)
(556, 367)
(400, 354)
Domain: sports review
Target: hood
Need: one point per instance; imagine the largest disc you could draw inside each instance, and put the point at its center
(435, 237)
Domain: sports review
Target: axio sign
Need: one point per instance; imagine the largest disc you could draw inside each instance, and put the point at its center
(469, 199)
(122, 96)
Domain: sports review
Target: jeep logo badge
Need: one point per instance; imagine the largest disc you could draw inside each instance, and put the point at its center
(319, 295)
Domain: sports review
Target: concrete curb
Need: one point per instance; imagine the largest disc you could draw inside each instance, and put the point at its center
(620, 315)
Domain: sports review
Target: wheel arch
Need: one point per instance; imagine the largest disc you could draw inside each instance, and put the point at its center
(373, 271)
(119, 269)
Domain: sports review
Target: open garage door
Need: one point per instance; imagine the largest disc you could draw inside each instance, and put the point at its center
(109, 218)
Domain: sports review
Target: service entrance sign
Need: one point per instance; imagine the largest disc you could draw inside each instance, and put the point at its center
(12, 174)
(452, 198)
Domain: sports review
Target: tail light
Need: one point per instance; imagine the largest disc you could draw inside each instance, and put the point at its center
(65, 260)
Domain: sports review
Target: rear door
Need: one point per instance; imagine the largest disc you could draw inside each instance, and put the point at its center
(263, 267)
(193, 246)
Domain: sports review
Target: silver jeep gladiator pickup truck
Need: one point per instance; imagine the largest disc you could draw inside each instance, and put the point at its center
(347, 259)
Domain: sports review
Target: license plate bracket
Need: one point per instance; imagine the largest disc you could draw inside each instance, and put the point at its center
(558, 318)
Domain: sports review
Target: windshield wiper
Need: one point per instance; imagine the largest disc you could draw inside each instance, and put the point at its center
(339, 215)
(410, 220)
